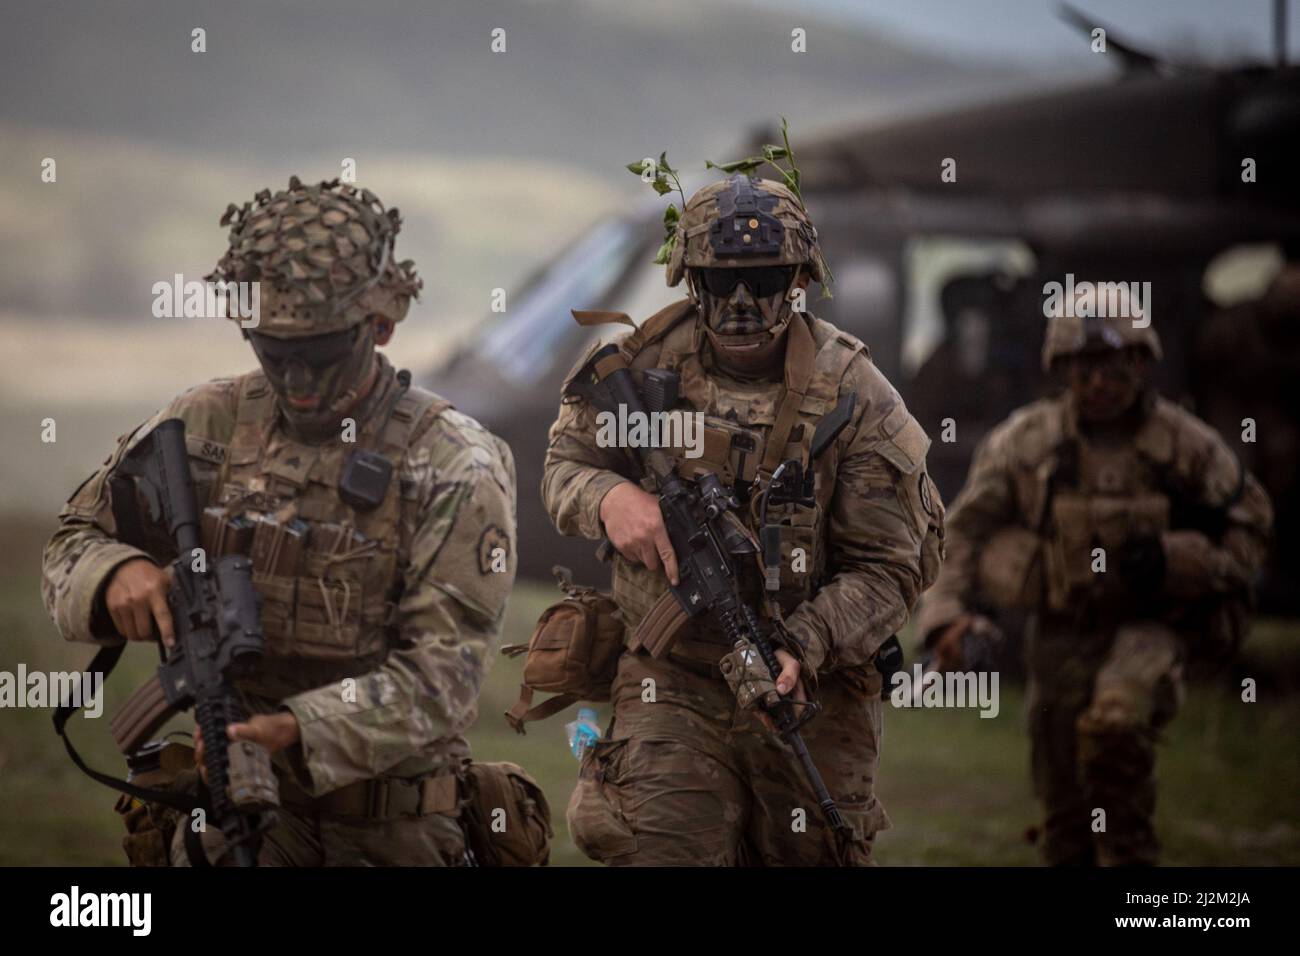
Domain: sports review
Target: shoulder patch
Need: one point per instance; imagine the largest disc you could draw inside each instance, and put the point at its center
(903, 443)
(493, 550)
(907, 447)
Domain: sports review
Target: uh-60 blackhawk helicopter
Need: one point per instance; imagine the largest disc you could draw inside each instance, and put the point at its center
(1172, 173)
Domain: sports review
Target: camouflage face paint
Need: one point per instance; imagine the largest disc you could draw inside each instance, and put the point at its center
(317, 378)
(749, 305)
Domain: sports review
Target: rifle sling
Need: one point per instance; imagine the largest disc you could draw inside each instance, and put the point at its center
(104, 662)
(800, 359)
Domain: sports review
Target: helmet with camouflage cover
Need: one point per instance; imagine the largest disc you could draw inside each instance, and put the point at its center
(740, 222)
(323, 256)
(1073, 335)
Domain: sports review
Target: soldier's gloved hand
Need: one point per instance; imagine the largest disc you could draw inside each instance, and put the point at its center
(136, 598)
(1142, 566)
(635, 526)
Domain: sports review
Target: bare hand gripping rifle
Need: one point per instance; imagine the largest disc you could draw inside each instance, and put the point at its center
(218, 640)
(710, 541)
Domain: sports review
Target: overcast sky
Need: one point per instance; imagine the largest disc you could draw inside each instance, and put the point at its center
(1031, 31)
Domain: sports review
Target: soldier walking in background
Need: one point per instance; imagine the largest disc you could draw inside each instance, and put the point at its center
(1132, 534)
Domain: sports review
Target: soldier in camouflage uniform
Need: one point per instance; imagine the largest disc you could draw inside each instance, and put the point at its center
(687, 776)
(1130, 532)
(380, 621)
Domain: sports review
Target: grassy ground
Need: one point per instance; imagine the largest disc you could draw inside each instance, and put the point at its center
(955, 785)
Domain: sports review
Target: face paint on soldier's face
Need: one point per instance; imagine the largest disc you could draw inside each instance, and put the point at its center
(742, 310)
(1106, 385)
(317, 379)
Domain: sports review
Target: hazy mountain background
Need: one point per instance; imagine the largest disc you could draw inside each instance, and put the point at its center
(494, 159)
(152, 140)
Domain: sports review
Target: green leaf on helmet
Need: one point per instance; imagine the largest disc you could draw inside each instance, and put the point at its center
(662, 186)
(665, 250)
(746, 165)
(671, 216)
(637, 168)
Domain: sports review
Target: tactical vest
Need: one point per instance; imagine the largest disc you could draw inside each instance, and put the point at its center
(1097, 498)
(329, 576)
(739, 421)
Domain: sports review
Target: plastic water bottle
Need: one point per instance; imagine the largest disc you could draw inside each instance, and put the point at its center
(582, 732)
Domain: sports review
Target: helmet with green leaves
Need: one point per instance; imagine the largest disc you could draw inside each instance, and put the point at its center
(1073, 335)
(740, 222)
(323, 258)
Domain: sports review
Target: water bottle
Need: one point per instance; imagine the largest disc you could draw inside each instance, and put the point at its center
(582, 732)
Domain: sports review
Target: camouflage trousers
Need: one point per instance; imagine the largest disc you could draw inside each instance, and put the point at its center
(301, 838)
(686, 778)
(1096, 706)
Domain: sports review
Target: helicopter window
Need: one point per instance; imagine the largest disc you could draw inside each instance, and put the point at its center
(533, 332)
(644, 290)
(866, 297)
(1241, 273)
(931, 265)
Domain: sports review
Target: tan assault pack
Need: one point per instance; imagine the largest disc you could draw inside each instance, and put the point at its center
(573, 652)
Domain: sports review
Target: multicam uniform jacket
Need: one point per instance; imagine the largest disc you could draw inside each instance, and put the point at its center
(406, 600)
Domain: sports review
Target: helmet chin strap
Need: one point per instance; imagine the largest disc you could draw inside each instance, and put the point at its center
(350, 395)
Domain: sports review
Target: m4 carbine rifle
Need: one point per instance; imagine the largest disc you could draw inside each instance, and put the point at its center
(218, 640)
(710, 541)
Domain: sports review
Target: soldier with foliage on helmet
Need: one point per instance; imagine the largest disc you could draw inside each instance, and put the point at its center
(381, 598)
(687, 775)
(1131, 533)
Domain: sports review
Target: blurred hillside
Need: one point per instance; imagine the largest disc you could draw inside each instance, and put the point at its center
(493, 158)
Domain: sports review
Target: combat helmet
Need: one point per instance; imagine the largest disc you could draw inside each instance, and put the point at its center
(1072, 335)
(323, 256)
(742, 221)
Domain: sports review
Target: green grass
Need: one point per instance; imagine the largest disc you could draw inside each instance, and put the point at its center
(956, 786)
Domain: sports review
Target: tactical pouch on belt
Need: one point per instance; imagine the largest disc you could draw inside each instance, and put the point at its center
(573, 652)
(150, 826)
(506, 817)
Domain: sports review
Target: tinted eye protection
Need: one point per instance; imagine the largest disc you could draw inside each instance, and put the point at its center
(316, 351)
(1113, 365)
(761, 281)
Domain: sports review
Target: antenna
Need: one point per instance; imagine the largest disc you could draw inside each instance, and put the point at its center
(1279, 32)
